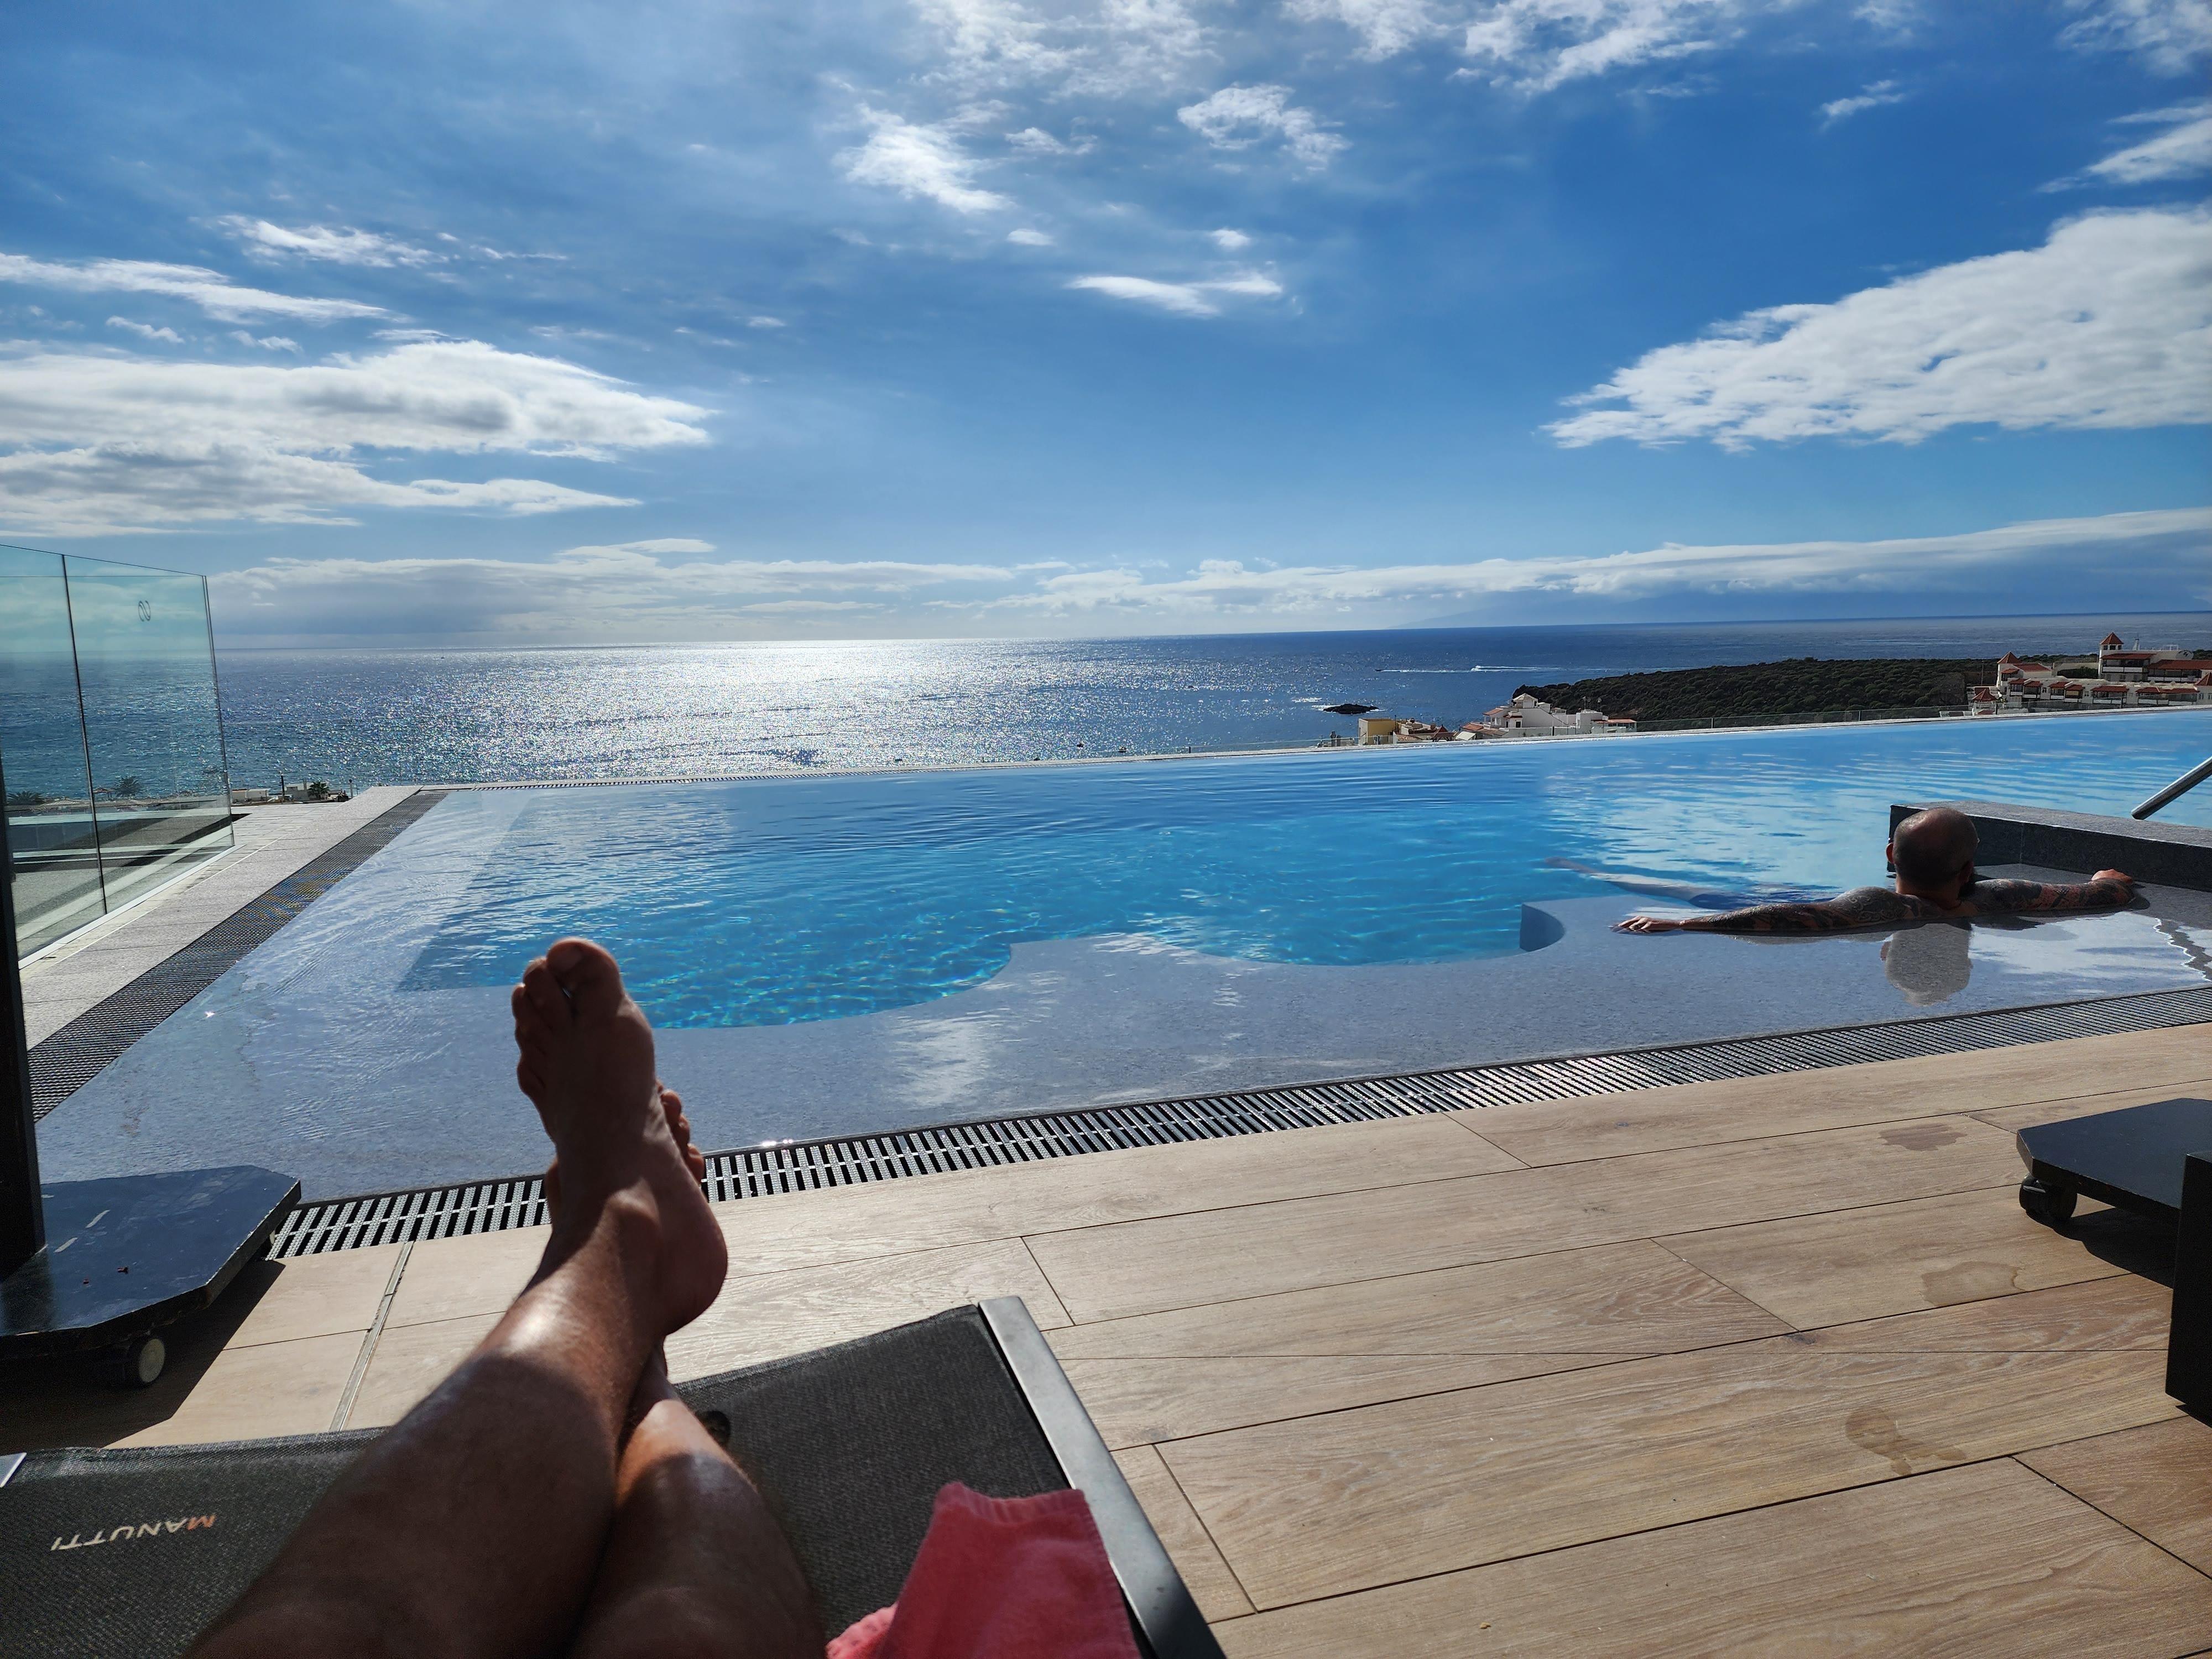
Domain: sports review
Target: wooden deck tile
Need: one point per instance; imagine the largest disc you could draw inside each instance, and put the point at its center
(2026, 1114)
(1972, 1561)
(455, 1278)
(319, 1296)
(1325, 1506)
(2126, 1315)
(1891, 1258)
(1633, 1298)
(1168, 1375)
(254, 1394)
(1136, 1400)
(1793, 1102)
(771, 1314)
(410, 1361)
(967, 1206)
(1145, 1267)
(1212, 1585)
(66, 1402)
(2157, 1480)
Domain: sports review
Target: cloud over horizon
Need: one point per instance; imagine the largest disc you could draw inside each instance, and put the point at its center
(643, 591)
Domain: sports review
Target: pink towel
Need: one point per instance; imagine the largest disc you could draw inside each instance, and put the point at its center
(1001, 1578)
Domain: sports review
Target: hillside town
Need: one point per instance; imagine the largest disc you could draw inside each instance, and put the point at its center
(2124, 677)
(2121, 677)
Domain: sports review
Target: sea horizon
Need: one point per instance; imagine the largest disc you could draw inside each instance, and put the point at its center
(356, 716)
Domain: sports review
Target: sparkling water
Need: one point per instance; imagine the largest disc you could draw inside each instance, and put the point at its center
(791, 899)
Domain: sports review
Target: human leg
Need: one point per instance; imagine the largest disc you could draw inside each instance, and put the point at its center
(474, 1526)
(696, 1566)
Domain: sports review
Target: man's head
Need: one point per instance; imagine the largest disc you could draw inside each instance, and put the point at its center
(1933, 851)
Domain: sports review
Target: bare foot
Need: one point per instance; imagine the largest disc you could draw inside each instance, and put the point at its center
(679, 1128)
(586, 1064)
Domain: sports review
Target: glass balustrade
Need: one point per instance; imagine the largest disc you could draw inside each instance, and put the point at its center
(110, 737)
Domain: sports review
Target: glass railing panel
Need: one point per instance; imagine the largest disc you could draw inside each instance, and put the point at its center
(153, 730)
(50, 829)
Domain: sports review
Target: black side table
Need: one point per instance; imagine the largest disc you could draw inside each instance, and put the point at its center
(2155, 1160)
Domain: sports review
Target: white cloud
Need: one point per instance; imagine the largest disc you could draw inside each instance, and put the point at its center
(632, 589)
(2169, 35)
(338, 244)
(1029, 238)
(1543, 44)
(1237, 117)
(2108, 325)
(1385, 27)
(102, 443)
(918, 160)
(117, 490)
(2183, 148)
(1104, 48)
(1873, 97)
(765, 322)
(667, 588)
(264, 343)
(1231, 241)
(147, 332)
(1183, 299)
(1037, 142)
(1898, 18)
(211, 290)
(2177, 544)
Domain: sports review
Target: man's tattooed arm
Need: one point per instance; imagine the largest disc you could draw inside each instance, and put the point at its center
(2110, 891)
(1862, 907)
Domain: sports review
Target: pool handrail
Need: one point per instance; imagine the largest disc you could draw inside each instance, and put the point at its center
(2181, 786)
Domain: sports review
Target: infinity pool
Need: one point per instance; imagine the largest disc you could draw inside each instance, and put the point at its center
(784, 900)
(848, 955)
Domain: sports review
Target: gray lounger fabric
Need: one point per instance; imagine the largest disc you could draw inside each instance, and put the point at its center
(106, 1553)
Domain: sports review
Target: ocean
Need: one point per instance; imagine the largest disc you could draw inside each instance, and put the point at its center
(354, 718)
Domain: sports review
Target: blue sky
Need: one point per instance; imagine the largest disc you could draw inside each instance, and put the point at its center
(416, 322)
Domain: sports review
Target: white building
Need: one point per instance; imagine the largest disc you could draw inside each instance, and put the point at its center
(2125, 679)
(1526, 717)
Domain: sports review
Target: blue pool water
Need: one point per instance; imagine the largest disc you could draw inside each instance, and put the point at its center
(788, 900)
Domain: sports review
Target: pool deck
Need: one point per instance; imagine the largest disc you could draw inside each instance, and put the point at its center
(271, 842)
(1770, 1365)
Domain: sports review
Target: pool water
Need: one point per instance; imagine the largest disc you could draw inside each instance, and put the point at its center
(787, 900)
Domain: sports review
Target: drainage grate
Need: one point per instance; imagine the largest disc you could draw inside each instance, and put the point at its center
(84, 1047)
(762, 1171)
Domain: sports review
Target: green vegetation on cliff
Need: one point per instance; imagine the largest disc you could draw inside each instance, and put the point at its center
(1803, 685)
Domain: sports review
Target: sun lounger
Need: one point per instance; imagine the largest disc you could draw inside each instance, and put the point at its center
(133, 1552)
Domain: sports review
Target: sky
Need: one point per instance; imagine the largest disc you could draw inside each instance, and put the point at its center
(472, 322)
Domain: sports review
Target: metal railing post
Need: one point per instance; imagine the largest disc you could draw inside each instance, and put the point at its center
(2181, 786)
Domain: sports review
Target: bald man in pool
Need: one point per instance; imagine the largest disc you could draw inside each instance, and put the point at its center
(1933, 854)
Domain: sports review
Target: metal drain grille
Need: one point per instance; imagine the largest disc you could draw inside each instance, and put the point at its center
(762, 1171)
(81, 1049)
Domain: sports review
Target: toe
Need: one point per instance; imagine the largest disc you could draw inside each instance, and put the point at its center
(541, 995)
(589, 975)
